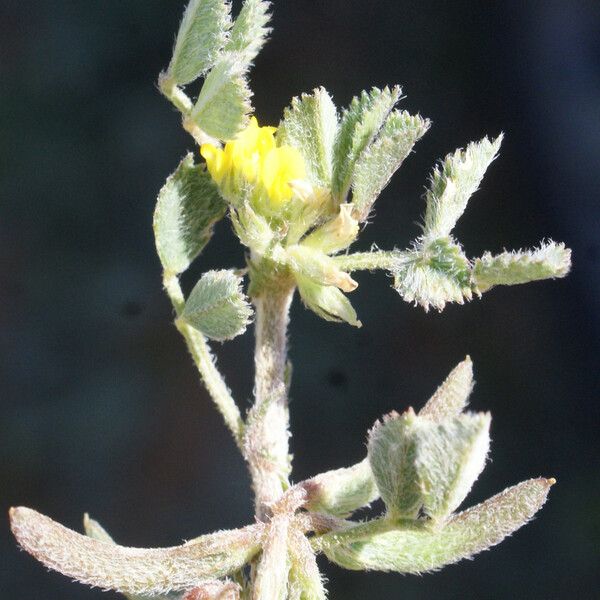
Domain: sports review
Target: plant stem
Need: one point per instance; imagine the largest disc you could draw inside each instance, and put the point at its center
(266, 439)
(205, 362)
(184, 105)
(174, 94)
(369, 261)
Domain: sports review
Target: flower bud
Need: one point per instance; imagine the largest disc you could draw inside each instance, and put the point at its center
(319, 267)
(335, 235)
(327, 302)
(424, 468)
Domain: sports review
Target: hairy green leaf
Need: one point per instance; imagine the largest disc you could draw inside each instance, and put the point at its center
(217, 306)
(453, 182)
(381, 159)
(360, 123)
(426, 469)
(94, 530)
(433, 274)
(415, 548)
(341, 491)
(223, 105)
(310, 124)
(250, 31)
(451, 398)
(510, 268)
(202, 34)
(139, 571)
(188, 206)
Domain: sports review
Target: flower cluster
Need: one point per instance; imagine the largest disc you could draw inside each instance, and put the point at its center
(254, 158)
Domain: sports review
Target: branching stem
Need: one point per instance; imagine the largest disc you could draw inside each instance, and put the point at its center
(182, 102)
(174, 94)
(205, 362)
(266, 439)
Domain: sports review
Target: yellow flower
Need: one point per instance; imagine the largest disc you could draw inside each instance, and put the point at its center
(254, 158)
(249, 149)
(280, 167)
(218, 162)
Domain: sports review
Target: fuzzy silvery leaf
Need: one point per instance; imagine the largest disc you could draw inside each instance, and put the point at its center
(381, 159)
(202, 34)
(415, 548)
(327, 301)
(451, 398)
(313, 264)
(433, 274)
(341, 491)
(305, 581)
(188, 206)
(426, 469)
(510, 268)
(137, 571)
(271, 581)
(310, 124)
(249, 32)
(217, 307)
(223, 105)
(453, 182)
(94, 530)
(359, 125)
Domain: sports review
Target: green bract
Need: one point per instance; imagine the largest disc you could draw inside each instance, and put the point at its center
(296, 199)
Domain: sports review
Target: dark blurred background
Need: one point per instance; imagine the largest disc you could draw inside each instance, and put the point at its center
(101, 407)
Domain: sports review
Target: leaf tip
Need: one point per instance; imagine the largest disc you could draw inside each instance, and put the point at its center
(18, 515)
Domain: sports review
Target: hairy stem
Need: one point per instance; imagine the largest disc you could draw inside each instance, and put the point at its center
(174, 94)
(369, 261)
(184, 105)
(266, 439)
(205, 362)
